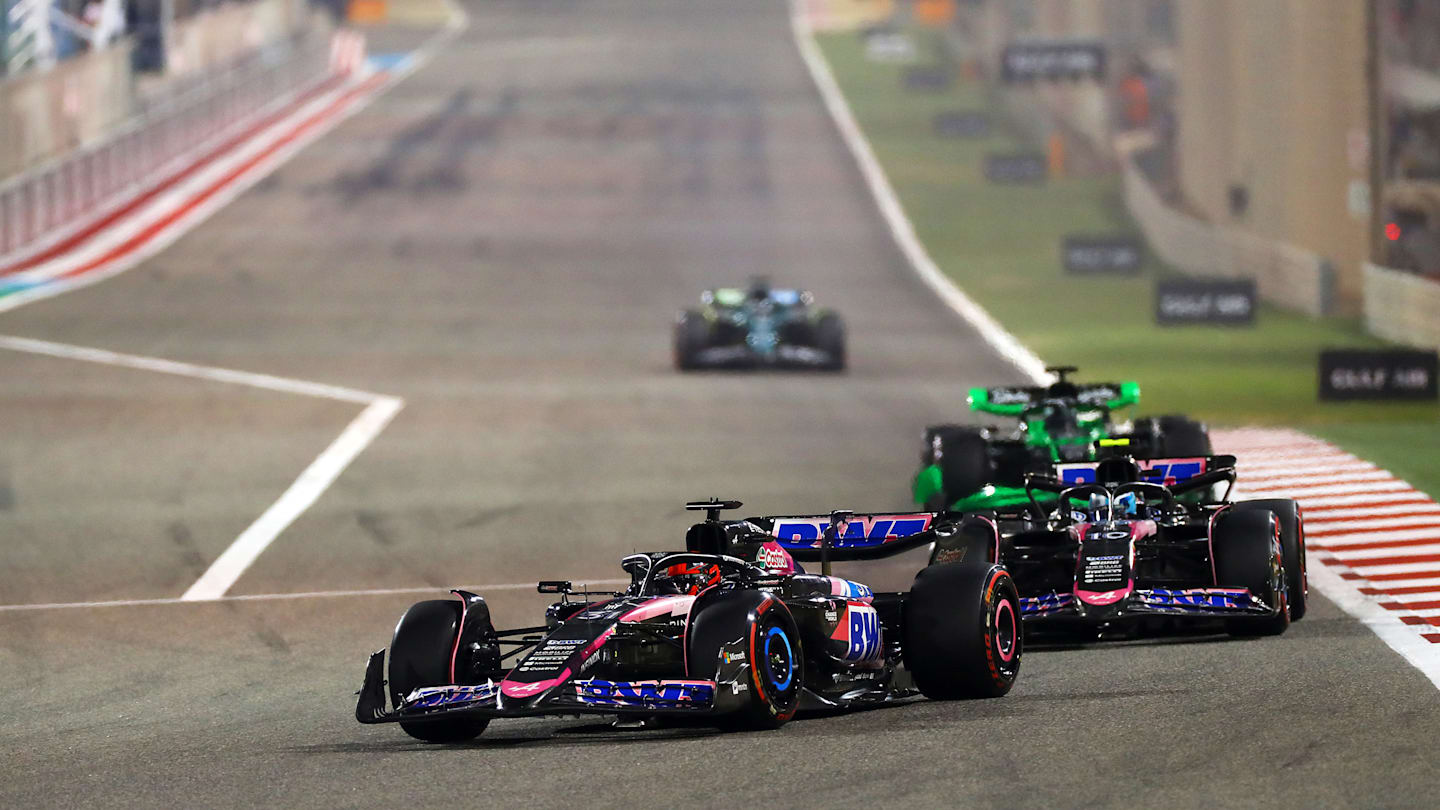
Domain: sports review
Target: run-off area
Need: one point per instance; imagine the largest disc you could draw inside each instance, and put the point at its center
(119, 483)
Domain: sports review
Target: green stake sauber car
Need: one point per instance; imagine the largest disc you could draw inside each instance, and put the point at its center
(964, 467)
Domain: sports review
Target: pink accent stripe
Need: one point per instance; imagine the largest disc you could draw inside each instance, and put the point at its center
(523, 690)
(455, 648)
(659, 607)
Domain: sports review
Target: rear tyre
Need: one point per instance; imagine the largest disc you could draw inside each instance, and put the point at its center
(962, 634)
(419, 657)
(963, 455)
(692, 335)
(830, 338)
(772, 647)
(1183, 438)
(1245, 545)
(1292, 543)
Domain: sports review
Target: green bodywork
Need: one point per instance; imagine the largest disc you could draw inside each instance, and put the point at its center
(1094, 422)
(1094, 430)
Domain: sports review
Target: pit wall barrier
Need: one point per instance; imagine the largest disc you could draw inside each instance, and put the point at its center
(46, 115)
(74, 103)
(1285, 275)
(1402, 307)
(41, 207)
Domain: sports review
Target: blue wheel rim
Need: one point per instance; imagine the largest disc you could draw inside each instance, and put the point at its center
(771, 653)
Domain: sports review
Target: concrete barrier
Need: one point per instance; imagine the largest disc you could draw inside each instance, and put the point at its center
(1285, 275)
(41, 206)
(43, 116)
(1403, 307)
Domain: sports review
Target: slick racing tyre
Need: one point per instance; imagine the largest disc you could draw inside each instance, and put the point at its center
(1244, 545)
(963, 455)
(1292, 542)
(420, 656)
(771, 646)
(830, 338)
(692, 335)
(1183, 438)
(962, 636)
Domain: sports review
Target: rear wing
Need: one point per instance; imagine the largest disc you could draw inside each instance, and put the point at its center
(1164, 471)
(1015, 400)
(1198, 477)
(844, 536)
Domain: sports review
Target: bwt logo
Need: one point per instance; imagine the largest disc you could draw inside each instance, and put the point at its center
(859, 531)
(864, 634)
(641, 692)
(1166, 472)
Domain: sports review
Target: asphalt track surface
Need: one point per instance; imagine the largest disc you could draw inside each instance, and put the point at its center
(501, 240)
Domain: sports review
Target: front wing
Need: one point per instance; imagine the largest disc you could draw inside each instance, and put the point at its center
(741, 356)
(1213, 603)
(585, 696)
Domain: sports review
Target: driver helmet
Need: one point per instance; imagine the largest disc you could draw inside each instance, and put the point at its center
(759, 288)
(1094, 510)
(1098, 504)
(1127, 505)
(688, 579)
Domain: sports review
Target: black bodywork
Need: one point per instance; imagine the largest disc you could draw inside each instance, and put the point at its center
(1080, 561)
(668, 644)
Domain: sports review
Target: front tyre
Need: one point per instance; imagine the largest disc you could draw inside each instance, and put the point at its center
(776, 672)
(1247, 553)
(962, 636)
(963, 456)
(692, 335)
(420, 656)
(830, 338)
(1292, 543)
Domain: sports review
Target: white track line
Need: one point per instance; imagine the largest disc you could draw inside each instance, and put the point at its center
(273, 597)
(316, 478)
(212, 373)
(322, 472)
(1401, 637)
(379, 408)
(891, 210)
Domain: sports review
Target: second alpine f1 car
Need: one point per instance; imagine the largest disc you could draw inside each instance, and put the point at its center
(1120, 542)
(1062, 422)
(761, 326)
(732, 629)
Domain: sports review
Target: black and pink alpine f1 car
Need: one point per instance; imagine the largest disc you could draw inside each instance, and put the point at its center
(731, 628)
(1119, 544)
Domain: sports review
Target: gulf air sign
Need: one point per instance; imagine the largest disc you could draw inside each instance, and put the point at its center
(859, 531)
